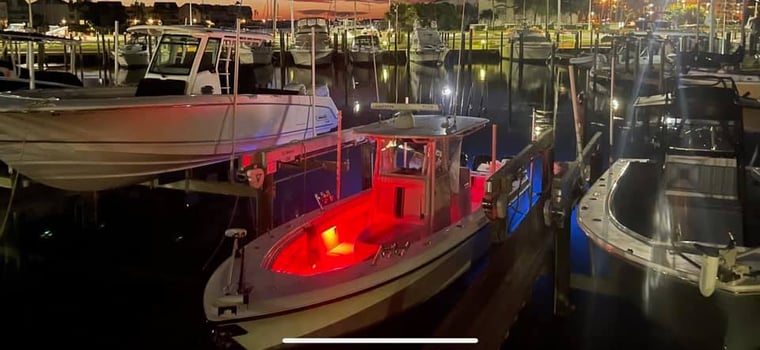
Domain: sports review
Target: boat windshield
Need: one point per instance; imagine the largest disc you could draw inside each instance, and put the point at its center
(367, 40)
(428, 37)
(175, 55)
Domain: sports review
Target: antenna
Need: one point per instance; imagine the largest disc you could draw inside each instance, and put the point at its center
(459, 62)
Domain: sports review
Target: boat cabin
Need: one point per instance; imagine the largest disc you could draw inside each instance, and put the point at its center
(201, 61)
(419, 187)
(366, 41)
(318, 23)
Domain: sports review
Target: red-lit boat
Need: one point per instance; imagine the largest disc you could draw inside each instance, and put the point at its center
(367, 257)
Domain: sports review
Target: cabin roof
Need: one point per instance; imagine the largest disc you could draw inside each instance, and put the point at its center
(156, 30)
(425, 127)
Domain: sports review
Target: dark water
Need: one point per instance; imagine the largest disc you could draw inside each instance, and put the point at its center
(132, 277)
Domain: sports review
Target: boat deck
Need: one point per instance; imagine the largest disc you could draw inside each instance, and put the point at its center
(702, 219)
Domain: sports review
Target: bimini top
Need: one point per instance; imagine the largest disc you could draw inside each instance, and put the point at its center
(157, 30)
(424, 127)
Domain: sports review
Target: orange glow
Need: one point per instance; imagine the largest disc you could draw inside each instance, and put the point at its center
(330, 238)
(342, 249)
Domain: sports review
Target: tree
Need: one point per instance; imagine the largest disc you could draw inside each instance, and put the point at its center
(407, 14)
(684, 15)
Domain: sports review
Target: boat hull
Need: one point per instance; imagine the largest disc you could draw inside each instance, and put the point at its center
(643, 269)
(436, 57)
(531, 52)
(133, 58)
(103, 147)
(371, 306)
(725, 320)
(303, 57)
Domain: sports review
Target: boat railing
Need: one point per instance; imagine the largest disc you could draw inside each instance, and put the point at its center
(499, 185)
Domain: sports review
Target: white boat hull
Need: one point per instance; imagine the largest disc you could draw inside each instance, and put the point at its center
(428, 56)
(370, 306)
(133, 58)
(102, 145)
(531, 51)
(303, 57)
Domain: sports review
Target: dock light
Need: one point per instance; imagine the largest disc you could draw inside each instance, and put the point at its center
(150, 20)
(446, 91)
(615, 104)
(482, 74)
(385, 75)
(357, 107)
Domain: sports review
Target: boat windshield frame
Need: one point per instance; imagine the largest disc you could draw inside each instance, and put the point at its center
(174, 42)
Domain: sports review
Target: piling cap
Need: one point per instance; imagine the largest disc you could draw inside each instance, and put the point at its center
(404, 120)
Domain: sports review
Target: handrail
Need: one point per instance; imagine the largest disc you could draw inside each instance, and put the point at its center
(500, 182)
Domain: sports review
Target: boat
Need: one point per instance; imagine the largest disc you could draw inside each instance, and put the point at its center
(346, 265)
(181, 115)
(15, 75)
(678, 217)
(301, 49)
(366, 49)
(535, 45)
(136, 52)
(427, 46)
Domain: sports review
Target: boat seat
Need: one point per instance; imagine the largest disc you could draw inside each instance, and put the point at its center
(160, 87)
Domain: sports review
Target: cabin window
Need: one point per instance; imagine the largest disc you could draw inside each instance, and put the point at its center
(175, 56)
(366, 40)
(402, 157)
(210, 54)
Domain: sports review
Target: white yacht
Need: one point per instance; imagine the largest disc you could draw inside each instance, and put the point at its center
(535, 45)
(427, 46)
(301, 49)
(366, 48)
(184, 113)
